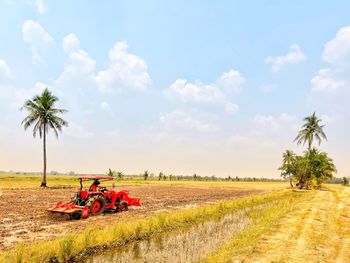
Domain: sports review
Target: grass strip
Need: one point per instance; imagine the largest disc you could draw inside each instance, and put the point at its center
(77, 244)
(242, 245)
(33, 181)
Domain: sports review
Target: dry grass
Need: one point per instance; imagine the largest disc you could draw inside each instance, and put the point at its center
(188, 245)
(127, 231)
(13, 181)
(314, 230)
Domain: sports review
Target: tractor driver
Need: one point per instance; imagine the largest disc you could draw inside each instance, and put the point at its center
(94, 186)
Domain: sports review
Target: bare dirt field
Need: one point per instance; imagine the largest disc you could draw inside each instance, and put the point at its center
(23, 216)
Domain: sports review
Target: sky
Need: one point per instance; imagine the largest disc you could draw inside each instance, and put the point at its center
(208, 87)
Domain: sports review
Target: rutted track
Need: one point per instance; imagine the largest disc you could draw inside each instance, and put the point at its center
(316, 231)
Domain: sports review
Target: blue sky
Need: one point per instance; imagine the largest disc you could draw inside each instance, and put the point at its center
(177, 86)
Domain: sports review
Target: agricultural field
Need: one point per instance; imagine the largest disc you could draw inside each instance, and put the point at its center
(217, 131)
(179, 221)
(31, 222)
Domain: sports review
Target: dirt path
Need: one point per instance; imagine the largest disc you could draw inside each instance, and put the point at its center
(23, 216)
(317, 231)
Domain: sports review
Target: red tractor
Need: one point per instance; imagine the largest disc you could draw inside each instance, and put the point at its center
(95, 200)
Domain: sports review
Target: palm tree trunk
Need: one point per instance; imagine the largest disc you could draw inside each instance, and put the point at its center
(291, 181)
(43, 183)
(310, 145)
(301, 182)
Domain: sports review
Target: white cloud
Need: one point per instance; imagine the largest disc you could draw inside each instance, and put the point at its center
(267, 131)
(39, 4)
(178, 120)
(81, 63)
(77, 131)
(231, 107)
(324, 81)
(272, 125)
(105, 106)
(125, 70)
(294, 56)
(330, 88)
(70, 43)
(198, 92)
(231, 81)
(17, 96)
(41, 7)
(337, 50)
(5, 70)
(37, 38)
(80, 66)
(215, 93)
(39, 87)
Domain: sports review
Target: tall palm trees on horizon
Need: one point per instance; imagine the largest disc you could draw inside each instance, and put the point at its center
(44, 116)
(310, 130)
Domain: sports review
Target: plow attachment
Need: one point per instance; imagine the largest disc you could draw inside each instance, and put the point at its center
(134, 201)
(74, 211)
(95, 200)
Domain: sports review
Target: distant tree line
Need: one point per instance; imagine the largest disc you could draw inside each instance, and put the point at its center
(146, 175)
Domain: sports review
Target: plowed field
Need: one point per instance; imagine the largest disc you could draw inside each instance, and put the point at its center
(23, 215)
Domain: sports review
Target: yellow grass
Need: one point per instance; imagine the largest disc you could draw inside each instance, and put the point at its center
(14, 181)
(315, 230)
(125, 231)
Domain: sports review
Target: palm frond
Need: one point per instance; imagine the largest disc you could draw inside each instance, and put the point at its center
(43, 114)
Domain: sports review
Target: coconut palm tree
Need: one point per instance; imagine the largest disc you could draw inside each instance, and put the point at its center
(287, 167)
(311, 130)
(44, 116)
(321, 166)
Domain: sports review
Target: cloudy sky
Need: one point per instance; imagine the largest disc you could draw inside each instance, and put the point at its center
(216, 88)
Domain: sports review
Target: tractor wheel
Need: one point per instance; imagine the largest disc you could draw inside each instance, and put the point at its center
(96, 204)
(123, 206)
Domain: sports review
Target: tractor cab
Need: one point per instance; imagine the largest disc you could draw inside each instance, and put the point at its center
(94, 187)
(96, 182)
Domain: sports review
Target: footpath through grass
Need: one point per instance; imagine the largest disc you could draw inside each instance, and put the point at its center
(241, 247)
(77, 245)
(313, 230)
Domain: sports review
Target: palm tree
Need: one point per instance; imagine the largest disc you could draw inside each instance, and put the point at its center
(310, 130)
(145, 175)
(110, 172)
(120, 175)
(287, 167)
(321, 166)
(44, 116)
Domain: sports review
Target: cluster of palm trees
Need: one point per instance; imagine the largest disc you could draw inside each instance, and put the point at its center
(313, 167)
